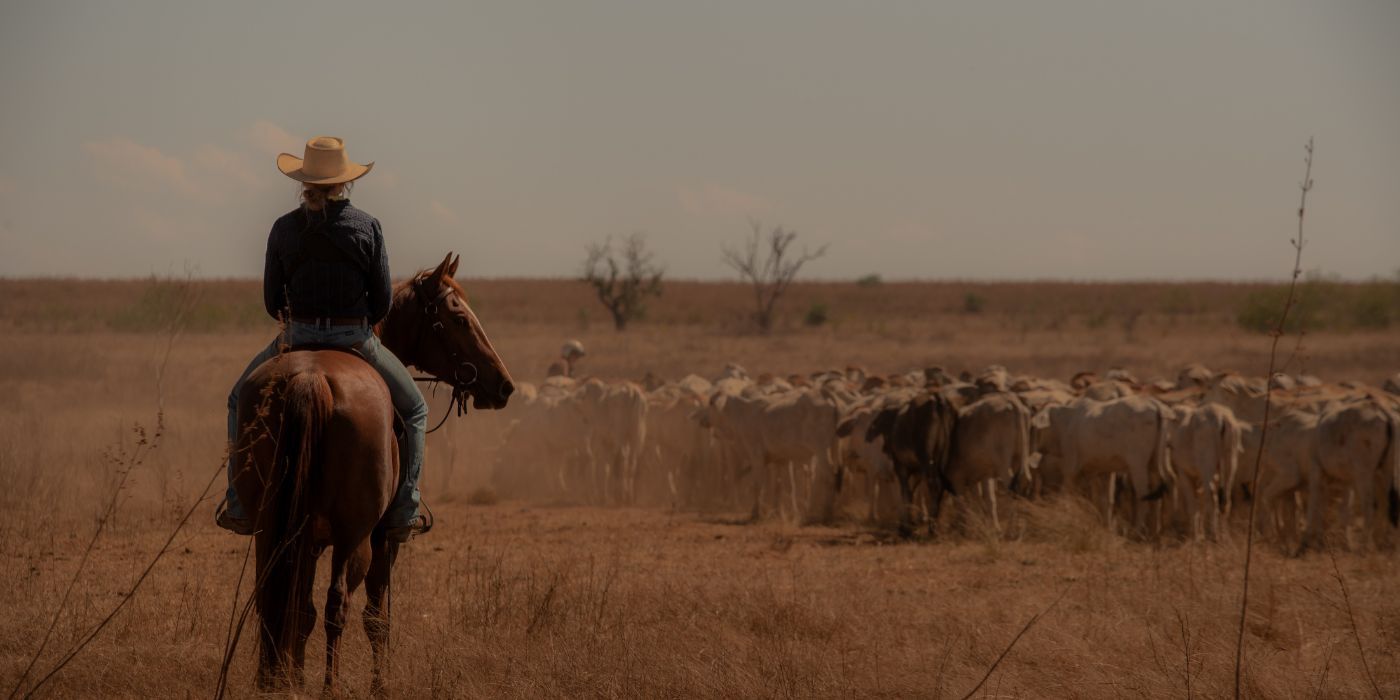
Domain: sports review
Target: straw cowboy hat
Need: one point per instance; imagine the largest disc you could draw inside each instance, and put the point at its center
(325, 163)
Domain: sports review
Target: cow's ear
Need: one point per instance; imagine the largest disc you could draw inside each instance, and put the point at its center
(884, 421)
(846, 427)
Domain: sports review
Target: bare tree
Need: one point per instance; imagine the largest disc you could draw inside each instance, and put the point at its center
(767, 263)
(623, 276)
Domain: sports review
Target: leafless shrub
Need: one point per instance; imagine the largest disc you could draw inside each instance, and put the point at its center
(623, 277)
(769, 266)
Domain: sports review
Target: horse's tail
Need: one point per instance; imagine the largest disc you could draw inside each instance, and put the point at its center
(285, 593)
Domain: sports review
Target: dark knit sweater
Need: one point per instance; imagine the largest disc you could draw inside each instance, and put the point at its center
(330, 263)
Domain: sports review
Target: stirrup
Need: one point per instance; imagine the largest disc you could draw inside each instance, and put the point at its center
(422, 524)
(238, 526)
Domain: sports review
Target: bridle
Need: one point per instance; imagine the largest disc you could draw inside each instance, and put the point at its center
(460, 386)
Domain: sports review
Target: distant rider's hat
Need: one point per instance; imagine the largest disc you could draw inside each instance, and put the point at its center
(325, 163)
(573, 349)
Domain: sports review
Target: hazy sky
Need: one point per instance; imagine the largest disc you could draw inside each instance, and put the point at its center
(989, 139)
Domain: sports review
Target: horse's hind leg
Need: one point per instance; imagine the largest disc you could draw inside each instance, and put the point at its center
(347, 572)
(376, 613)
(304, 619)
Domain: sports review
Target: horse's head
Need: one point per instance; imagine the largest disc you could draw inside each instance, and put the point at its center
(431, 327)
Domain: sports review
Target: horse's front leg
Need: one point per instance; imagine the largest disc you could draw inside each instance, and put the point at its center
(376, 615)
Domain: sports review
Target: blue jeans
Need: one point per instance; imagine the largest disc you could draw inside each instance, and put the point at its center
(408, 402)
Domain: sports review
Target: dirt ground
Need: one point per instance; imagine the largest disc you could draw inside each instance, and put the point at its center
(523, 599)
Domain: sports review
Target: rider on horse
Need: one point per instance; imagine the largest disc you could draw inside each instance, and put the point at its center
(327, 279)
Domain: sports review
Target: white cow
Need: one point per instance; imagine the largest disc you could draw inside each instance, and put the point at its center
(1357, 451)
(1127, 436)
(1205, 444)
(615, 418)
(990, 446)
(1284, 466)
(774, 437)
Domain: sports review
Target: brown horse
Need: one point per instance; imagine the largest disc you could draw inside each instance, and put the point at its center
(317, 440)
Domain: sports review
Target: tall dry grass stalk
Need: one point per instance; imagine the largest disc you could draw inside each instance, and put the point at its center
(1305, 186)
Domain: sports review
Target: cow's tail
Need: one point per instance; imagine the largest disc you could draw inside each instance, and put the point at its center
(1228, 461)
(1158, 462)
(286, 588)
(1021, 458)
(1391, 461)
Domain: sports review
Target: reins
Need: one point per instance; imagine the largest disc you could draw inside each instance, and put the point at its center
(454, 401)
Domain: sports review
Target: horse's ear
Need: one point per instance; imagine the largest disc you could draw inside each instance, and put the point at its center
(452, 269)
(440, 270)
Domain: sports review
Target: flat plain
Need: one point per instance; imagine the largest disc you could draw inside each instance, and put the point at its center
(104, 406)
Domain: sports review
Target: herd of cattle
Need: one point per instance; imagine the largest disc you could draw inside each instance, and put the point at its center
(1165, 454)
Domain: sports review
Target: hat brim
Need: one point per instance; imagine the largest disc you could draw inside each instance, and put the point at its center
(291, 165)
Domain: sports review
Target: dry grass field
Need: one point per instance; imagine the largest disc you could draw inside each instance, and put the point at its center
(526, 599)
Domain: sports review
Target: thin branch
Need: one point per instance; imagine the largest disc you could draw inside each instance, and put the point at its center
(126, 598)
(1305, 186)
(1351, 618)
(1029, 623)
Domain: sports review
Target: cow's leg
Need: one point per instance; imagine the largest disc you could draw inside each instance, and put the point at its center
(1212, 497)
(1313, 531)
(991, 486)
(1365, 495)
(792, 496)
(1190, 505)
(872, 492)
(1109, 482)
(823, 488)
(906, 503)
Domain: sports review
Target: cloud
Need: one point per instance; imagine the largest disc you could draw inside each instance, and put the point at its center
(711, 199)
(125, 162)
(442, 212)
(270, 139)
(159, 227)
(220, 165)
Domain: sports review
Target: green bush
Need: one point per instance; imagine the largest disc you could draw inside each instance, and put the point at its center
(1371, 307)
(1260, 310)
(817, 315)
(1322, 304)
(973, 303)
(870, 280)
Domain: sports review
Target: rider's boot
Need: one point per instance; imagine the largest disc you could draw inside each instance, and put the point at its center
(230, 516)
